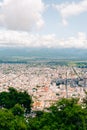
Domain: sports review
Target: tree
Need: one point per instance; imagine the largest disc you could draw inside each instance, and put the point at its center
(9, 121)
(6, 118)
(65, 114)
(12, 97)
(69, 114)
(18, 110)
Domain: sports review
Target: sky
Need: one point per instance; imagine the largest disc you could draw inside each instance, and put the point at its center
(43, 23)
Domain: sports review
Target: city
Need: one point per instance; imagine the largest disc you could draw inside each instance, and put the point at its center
(45, 84)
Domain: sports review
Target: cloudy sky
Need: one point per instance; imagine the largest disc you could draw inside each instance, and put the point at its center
(43, 23)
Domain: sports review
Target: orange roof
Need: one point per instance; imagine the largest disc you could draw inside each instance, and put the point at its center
(37, 104)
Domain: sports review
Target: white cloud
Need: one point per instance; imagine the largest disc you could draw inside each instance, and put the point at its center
(71, 9)
(10, 38)
(21, 14)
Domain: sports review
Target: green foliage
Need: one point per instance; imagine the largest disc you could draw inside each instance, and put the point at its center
(10, 122)
(19, 123)
(13, 97)
(39, 113)
(66, 114)
(25, 100)
(18, 110)
(14, 105)
(6, 118)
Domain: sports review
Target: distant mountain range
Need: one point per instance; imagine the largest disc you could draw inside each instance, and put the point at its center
(70, 53)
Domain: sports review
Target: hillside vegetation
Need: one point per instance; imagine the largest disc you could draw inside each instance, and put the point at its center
(16, 113)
